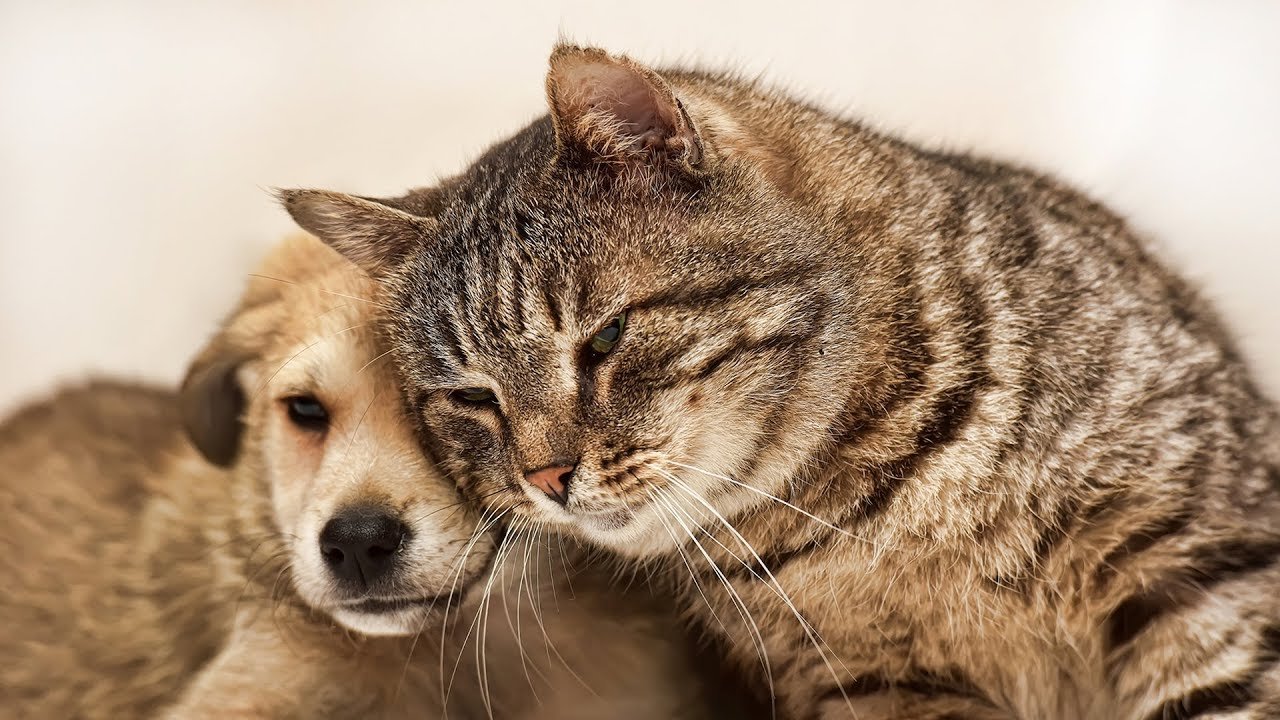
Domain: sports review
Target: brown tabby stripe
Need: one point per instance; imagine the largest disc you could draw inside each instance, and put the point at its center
(770, 421)
(1206, 568)
(467, 319)
(1050, 536)
(777, 559)
(918, 682)
(1148, 534)
(516, 294)
(1069, 518)
(452, 342)
(584, 298)
(1219, 698)
(781, 341)
(951, 412)
(1023, 240)
(712, 295)
(1270, 641)
(553, 307)
(1227, 695)
(910, 356)
(952, 223)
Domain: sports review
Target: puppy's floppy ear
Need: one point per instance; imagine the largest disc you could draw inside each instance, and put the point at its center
(370, 233)
(212, 402)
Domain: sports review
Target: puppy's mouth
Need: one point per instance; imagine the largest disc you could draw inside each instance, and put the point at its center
(382, 606)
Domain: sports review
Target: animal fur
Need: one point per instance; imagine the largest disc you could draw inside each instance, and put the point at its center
(143, 581)
(921, 435)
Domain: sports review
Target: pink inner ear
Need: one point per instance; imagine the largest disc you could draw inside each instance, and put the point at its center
(623, 96)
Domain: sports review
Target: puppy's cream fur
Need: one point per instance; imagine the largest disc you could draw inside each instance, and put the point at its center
(141, 580)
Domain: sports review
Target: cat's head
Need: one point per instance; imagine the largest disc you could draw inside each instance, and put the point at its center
(614, 320)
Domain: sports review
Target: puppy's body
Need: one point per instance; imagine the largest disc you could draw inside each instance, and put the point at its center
(144, 581)
(99, 490)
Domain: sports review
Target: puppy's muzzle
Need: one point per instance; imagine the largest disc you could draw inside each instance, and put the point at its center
(361, 545)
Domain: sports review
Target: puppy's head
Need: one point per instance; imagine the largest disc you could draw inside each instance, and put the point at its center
(295, 391)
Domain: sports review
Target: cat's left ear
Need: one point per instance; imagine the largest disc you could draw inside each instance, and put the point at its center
(618, 111)
(372, 234)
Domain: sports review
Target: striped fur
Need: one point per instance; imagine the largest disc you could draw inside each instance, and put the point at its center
(1017, 468)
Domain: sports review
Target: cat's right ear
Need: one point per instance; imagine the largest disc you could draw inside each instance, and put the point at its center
(619, 112)
(372, 234)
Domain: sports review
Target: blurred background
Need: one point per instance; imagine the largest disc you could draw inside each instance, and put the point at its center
(138, 139)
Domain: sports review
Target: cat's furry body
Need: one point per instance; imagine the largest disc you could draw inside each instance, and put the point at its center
(1047, 486)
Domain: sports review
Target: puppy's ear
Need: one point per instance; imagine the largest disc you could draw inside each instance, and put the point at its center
(370, 233)
(212, 402)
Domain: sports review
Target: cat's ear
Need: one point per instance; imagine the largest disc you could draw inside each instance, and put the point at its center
(618, 111)
(372, 234)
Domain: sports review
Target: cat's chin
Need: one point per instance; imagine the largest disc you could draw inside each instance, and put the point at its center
(633, 533)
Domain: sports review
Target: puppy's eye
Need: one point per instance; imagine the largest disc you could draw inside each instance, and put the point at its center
(307, 413)
(474, 396)
(603, 342)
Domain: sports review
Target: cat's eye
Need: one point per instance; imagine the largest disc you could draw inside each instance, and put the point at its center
(603, 342)
(307, 412)
(474, 396)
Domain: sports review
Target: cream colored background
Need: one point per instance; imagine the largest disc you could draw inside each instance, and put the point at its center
(137, 139)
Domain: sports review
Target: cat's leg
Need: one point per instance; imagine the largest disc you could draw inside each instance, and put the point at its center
(1203, 641)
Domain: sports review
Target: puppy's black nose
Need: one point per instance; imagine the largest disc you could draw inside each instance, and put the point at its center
(359, 544)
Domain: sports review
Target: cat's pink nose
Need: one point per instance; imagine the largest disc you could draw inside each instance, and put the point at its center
(554, 481)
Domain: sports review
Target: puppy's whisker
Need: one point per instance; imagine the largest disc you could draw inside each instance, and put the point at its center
(262, 386)
(323, 290)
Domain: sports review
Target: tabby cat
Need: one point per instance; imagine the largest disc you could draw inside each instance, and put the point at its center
(920, 435)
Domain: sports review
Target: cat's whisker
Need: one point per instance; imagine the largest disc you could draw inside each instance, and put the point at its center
(459, 568)
(517, 629)
(549, 645)
(814, 638)
(775, 498)
(679, 546)
(459, 565)
(503, 551)
(753, 627)
(376, 358)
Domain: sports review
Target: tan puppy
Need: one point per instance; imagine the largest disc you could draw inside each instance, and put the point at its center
(140, 580)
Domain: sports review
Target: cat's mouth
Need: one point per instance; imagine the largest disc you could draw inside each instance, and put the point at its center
(606, 519)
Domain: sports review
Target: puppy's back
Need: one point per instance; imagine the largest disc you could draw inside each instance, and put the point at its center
(88, 529)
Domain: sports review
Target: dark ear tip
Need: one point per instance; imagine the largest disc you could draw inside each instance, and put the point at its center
(211, 404)
(583, 54)
(291, 198)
